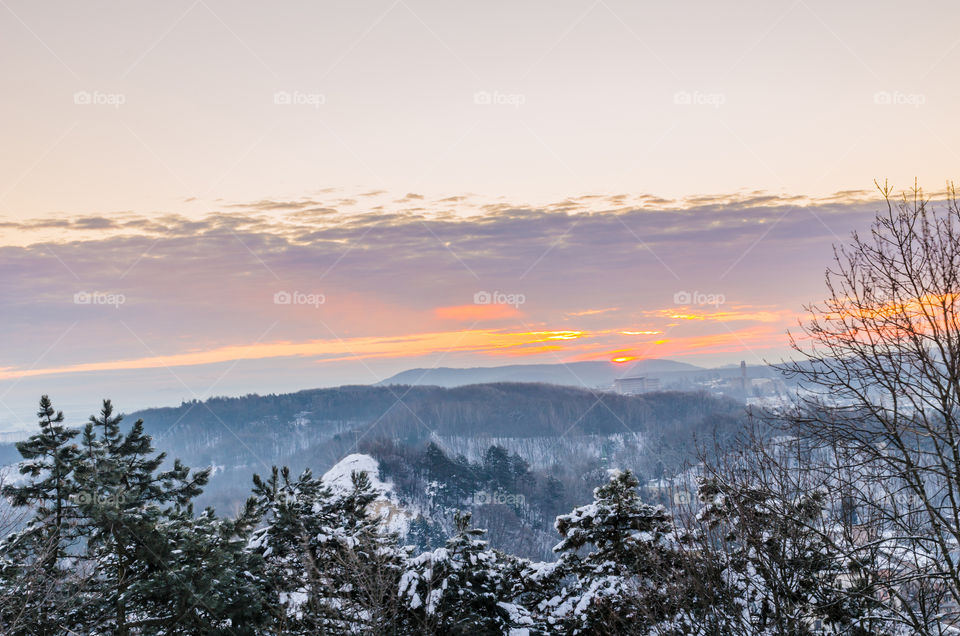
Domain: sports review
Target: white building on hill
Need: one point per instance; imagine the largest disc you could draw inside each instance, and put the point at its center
(635, 386)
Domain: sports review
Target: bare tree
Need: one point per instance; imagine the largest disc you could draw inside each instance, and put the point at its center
(33, 599)
(880, 390)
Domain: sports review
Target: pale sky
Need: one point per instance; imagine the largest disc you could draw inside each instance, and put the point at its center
(396, 158)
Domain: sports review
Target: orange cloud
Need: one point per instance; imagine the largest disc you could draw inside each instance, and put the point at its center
(726, 316)
(593, 312)
(479, 340)
(929, 308)
(742, 341)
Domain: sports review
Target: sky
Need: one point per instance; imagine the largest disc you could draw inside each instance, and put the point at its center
(204, 198)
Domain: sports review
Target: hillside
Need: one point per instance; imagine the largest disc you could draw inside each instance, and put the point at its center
(583, 374)
(564, 438)
(562, 431)
(270, 428)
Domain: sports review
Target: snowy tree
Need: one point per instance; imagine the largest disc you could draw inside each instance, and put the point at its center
(204, 580)
(879, 364)
(290, 509)
(34, 558)
(362, 562)
(459, 588)
(123, 500)
(328, 562)
(616, 563)
(780, 565)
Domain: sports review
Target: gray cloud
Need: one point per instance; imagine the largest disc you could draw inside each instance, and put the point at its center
(202, 282)
(198, 283)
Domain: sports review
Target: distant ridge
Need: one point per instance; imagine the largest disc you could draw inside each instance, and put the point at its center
(581, 374)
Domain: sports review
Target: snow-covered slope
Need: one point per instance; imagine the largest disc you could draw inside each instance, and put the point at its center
(338, 477)
(387, 506)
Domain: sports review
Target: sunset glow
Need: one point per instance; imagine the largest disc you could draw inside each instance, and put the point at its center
(259, 219)
(427, 317)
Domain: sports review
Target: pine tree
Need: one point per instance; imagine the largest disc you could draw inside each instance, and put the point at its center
(35, 556)
(330, 566)
(48, 460)
(124, 500)
(498, 468)
(208, 583)
(424, 534)
(362, 561)
(459, 589)
(289, 511)
(617, 551)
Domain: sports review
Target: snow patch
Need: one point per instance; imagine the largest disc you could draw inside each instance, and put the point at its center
(386, 507)
(338, 477)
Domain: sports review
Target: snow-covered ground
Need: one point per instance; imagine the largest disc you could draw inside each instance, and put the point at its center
(338, 477)
(395, 518)
(543, 452)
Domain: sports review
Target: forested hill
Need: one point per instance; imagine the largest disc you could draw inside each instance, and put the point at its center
(557, 430)
(515, 409)
(315, 428)
(566, 436)
(272, 427)
(582, 374)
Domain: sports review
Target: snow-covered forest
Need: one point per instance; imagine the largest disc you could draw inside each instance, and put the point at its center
(112, 544)
(101, 540)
